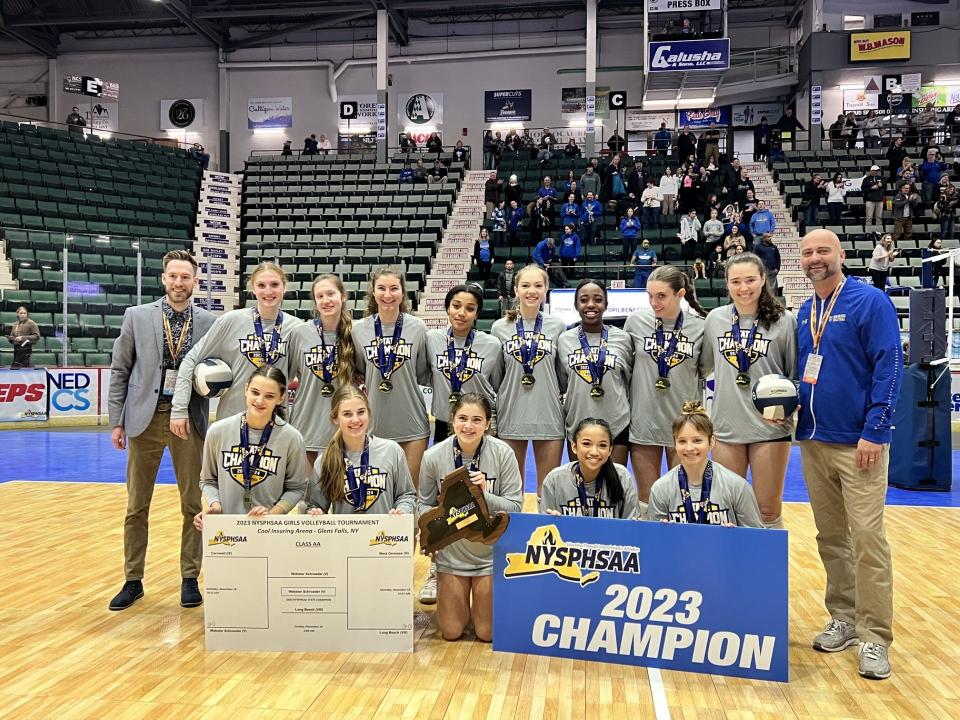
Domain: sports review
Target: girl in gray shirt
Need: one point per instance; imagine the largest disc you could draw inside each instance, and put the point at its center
(321, 355)
(465, 568)
(667, 343)
(357, 472)
(743, 341)
(244, 339)
(595, 364)
(462, 359)
(254, 462)
(528, 404)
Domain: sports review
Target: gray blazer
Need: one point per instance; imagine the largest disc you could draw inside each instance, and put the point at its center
(137, 369)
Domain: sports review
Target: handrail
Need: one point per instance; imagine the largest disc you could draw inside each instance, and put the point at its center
(86, 130)
(360, 151)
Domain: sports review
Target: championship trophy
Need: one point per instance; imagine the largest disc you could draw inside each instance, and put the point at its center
(462, 514)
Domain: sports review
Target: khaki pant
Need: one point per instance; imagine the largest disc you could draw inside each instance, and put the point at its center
(874, 211)
(144, 454)
(848, 510)
(902, 227)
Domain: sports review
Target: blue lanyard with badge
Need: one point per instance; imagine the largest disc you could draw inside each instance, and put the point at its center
(356, 477)
(268, 354)
(245, 450)
(811, 369)
(582, 493)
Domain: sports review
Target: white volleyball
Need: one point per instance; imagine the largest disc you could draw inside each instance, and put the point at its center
(212, 377)
(775, 397)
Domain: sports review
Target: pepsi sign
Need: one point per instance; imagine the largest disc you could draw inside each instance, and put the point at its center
(671, 55)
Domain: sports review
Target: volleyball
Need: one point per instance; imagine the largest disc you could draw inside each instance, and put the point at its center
(775, 397)
(212, 378)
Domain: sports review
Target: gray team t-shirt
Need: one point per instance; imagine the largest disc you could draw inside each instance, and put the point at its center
(574, 372)
(653, 410)
(483, 373)
(504, 493)
(399, 414)
(280, 475)
(530, 412)
(233, 339)
(560, 494)
(388, 481)
(731, 500)
(774, 350)
(310, 413)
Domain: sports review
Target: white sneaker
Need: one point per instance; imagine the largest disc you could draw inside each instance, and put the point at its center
(874, 663)
(428, 593)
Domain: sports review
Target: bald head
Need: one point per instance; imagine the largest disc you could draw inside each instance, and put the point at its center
(821, 258)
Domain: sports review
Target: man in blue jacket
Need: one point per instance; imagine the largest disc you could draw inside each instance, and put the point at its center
(848, 346)
(543, 253)
(762, 221)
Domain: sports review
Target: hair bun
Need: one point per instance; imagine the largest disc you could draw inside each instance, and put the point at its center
(693, 407)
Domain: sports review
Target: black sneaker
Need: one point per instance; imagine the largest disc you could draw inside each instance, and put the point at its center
(190, 593)
(131, 592)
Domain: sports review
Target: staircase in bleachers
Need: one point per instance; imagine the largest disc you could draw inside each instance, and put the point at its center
(455, 253)
(345, 214)
(217, 242)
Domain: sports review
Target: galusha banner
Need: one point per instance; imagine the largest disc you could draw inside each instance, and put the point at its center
(880, 45)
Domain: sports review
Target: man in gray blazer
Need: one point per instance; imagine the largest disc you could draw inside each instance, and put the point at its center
(154, 339)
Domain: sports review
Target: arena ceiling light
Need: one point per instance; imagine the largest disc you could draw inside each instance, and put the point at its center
(268, 131)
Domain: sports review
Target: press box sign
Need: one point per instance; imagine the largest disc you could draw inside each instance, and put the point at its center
(689, 55)
(663, 6)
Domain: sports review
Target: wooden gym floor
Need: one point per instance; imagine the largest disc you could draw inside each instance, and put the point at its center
(64, 655)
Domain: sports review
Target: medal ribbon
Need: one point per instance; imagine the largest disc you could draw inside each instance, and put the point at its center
(582, 492)
(269, 355)
(666, 349)
(176, 349)
(816, 329)
(458, 456)
(386, 360)
(456, 372)
(701, 516)
(329, 358)
(356, 487)
(743, 355)
(597, 368)
(529, 346)
(246, 451)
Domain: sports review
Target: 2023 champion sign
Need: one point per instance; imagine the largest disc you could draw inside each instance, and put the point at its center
(689, 55)
(683, 597)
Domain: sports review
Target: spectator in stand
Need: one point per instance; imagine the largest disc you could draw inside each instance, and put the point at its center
(498, 223)
(686, 27)
(461, 155)
(712, 229)
(570, 211)
(871, 130)
(686, 144)
(571, 150)
(769, 253)
(310, 145)
(438, 173)
(286, 151)
(24, 334)
(836, 198)
(762, 221)
(491, 191)
(711, 149)
(616, 143)
(652, 200)
(483, 254)
(946, 207)
(75, 120)
(716, 264)
(197, 153)
(951, 126)
(488, 163)
(543, 253)
(747, 209)
(908, 172)
(515, 222)
(591, 218)
(614, 185)
(644, 259)
(513, 191)
(569, 248)
(761, 140)
(744, 184)
(931, 273)
(872, 189)
(505, 290)
(911, 136)
(669, 187)
(926, 122)
(547, 190)
(434, 144)
(905, 204)
(699, 270)
(512, 141)
(547, 141)
(663, 140)
(420, 171)
(540, 222)
(590, 182)
(931, 171)
(629, 227)
(406, 144)
(323, 144)
(788, 122)
(689, 235)
(636, 183)
(406, 173)
(895, 156)
(850, 130)
(688, 192)
(734, 237)
(883, 254)
(573, 188)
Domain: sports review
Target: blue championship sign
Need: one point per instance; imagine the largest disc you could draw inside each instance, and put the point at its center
(697, 598)
(690, 55)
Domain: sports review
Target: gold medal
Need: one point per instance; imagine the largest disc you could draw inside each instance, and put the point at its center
(454, 398)
(662, 383)
(386, 386)
(596, 392)
(743, 379)
(326, 390)
(528, 379)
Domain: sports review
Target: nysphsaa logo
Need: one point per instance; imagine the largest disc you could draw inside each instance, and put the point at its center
(221, 538)
(381, 538)
(581, 563)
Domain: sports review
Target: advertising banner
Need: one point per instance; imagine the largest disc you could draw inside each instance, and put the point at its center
(573, 103)
(105, 116)
(942, 96)
(702, 118)
(689, 55)
(860, 100)
(181, 114)
(507, 105)
(420, 109)
(75, 392)
(366, 111)
(23, 395)
(697, 598)
(879, 45)
(273, 112)
(749, 114)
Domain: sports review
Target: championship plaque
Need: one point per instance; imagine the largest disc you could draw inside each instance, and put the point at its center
(462, 514)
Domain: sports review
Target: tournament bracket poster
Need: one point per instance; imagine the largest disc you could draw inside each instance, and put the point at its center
(698, 598)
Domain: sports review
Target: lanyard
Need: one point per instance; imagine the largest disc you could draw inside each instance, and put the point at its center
(268, 355)
(245, 465)
(457, 370)
(356, 487)
(458, 456)
(743, 349)
(701, 516)
(666, 349)
(329, 358)
(175, 348)
(817, 329)
(385, 360)
(598, 368)
(582, 492)
(529, 346)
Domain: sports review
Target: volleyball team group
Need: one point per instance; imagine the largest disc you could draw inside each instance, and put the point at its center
(355, 440)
